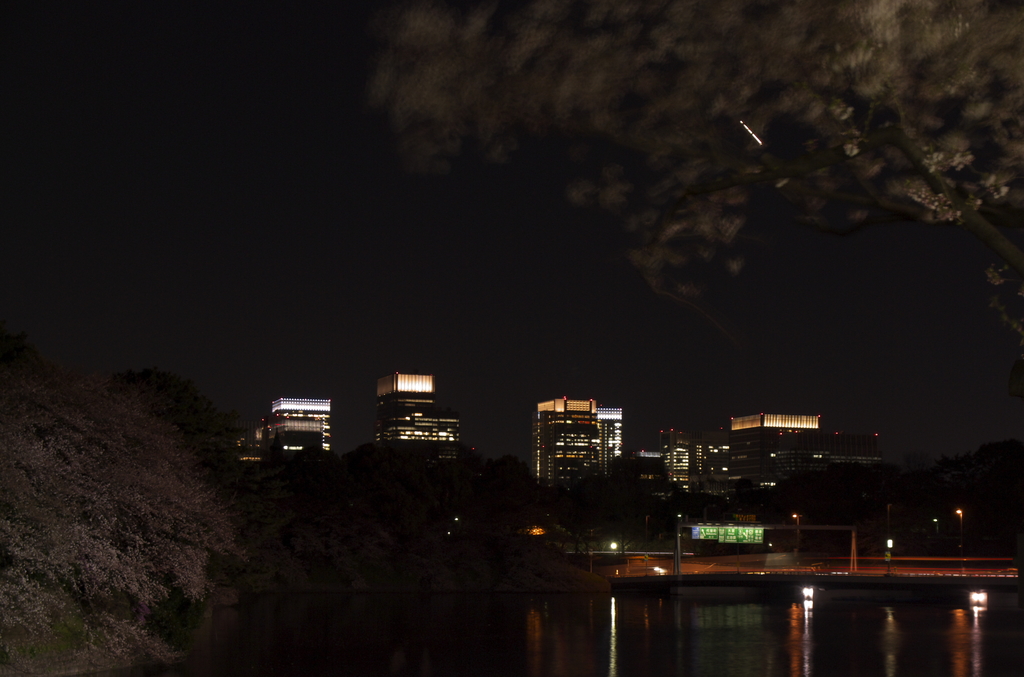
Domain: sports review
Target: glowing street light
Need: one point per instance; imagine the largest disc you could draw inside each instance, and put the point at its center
(676, 559)
(797, 518)
(888, 539)
(961, 513)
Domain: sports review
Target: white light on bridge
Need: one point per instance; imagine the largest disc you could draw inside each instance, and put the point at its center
(808, 593)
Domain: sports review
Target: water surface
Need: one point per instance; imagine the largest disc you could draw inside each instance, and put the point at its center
(512, 635)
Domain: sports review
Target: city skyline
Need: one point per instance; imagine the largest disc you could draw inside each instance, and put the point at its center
(221, 204)
(403, 396)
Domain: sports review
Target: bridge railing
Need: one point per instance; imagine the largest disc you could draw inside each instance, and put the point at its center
(633, 566)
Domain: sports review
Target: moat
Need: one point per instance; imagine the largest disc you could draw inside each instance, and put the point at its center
(517, 635)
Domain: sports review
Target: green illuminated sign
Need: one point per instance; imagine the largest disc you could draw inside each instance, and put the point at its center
(750, 535)
(710, 533)
(730, 534)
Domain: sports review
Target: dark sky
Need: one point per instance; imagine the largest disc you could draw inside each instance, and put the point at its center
(203, 190)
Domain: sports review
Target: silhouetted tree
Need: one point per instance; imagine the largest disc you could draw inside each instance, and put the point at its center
(15, 349)
(212, 434)
(988, 485)
(508, 499)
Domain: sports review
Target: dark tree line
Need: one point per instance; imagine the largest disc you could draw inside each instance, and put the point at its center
(917, 507)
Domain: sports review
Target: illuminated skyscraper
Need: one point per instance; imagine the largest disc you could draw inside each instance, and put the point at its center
(698, 461)
(609, 429)
(299, 424)
(754, 444)
(407, 415)
(566, 441)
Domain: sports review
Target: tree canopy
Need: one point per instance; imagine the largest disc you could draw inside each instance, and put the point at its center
(858, 112)
(212, 435)
(104, 514)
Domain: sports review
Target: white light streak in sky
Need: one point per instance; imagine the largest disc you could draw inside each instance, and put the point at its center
(751, 132)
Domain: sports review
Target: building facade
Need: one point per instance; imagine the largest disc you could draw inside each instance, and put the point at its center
(566, 441)
(409, 417)
(754, 444)
(696, 460)
(650, 468)
(251, 446)
(295, 425)
(806, 451)
(609, 430)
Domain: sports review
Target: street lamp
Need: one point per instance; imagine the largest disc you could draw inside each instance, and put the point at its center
(888, 539)
(961, 513)
(797, 518)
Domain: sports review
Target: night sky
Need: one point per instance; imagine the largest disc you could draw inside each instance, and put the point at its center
(204, 190)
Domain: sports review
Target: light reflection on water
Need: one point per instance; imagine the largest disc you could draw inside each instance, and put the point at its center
(568, 635)
(799, 640)
(613, 645)
(964, 642)
(890, 642)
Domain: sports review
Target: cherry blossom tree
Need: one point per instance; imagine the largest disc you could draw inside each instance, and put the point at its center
(859, 113)
(102, 514)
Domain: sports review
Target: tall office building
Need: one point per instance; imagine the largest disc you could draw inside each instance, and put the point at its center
(696, 460)
(298, 424)
(250, 442)
(408, 416)
(754, 444)
(566, 441)
(814, 450)
(609, 430)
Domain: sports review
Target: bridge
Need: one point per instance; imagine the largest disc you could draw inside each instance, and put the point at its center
(976, 589)
(809, 576)
(612, 564)
(785, 576)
